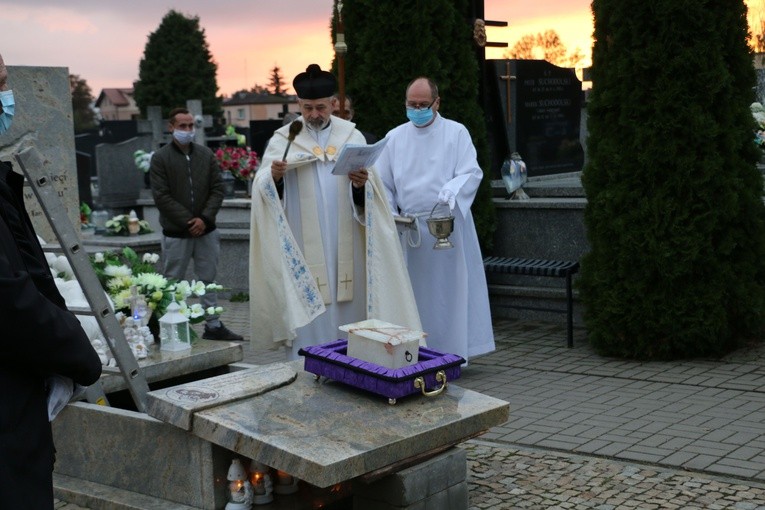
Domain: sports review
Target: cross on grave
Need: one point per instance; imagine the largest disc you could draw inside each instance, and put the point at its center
(507, 78)
(320, 285)
(346, 281)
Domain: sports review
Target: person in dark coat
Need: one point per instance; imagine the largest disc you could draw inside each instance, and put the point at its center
(40, 338)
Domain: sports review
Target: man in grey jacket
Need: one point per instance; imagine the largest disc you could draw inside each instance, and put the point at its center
(188, 192)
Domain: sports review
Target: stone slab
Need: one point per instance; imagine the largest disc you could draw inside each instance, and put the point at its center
(164, 365)
(176, 405)
(325, 432)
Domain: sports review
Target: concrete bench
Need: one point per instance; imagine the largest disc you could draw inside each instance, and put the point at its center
(539, 267)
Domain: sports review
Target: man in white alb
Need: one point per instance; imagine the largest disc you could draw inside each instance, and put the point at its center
(426, 161)
(323, 248)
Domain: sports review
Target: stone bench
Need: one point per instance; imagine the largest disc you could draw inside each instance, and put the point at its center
(539, 267)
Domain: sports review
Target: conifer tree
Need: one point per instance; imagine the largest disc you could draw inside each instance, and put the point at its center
(391, 43)
(177, 66)
(675, 216)
(276, 84)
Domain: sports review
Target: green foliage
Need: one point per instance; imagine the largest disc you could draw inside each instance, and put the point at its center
(390, 44)
(240, 297)
(675, 212)
(177, 66)
(82, 99)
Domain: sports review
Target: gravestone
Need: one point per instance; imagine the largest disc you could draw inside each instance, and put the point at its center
(43, 120)
(119, 180)
(759, 94)
(536, 112)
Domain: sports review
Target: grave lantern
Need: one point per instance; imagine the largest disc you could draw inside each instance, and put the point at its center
(262, 487)
(285, 483)
(239, 488)
(174, 333)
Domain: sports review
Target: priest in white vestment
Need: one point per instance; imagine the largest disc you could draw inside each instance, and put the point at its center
(426, 161)
(324, 250)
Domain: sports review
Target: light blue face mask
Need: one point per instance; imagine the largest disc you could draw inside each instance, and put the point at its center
(9, 106)
(183, 137)
(420, 117)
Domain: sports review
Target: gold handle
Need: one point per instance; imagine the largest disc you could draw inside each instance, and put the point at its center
(440, 377)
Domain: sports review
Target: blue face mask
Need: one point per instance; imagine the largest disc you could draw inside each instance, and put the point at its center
(419, 117)
(9, 106)
(183, 137)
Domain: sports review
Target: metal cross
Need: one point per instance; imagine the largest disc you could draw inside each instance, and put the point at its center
(508, 78)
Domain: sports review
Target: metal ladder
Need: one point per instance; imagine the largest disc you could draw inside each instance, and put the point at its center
(31, 164)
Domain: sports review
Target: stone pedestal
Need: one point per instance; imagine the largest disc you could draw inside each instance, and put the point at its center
(321, 432)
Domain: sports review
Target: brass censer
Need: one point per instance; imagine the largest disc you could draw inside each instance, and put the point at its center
(441, 227)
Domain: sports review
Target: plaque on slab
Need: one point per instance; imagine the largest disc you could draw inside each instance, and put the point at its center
(176, 405)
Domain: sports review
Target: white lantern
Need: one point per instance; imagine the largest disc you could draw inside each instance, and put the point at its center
(174, 333)
(285, 483)
(262, 487)
(239, 488)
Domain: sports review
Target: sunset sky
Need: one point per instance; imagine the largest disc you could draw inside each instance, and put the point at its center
(102, 41)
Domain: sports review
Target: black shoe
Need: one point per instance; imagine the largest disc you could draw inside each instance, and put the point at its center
(221, 333)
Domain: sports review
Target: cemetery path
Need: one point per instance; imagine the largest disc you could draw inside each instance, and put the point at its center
(592, 432)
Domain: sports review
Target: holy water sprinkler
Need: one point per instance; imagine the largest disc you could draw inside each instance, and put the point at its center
(295, 128)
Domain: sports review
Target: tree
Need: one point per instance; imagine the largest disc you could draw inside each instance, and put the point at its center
(377, 72)
(545, 46)
(177, 66)
(674, 211)
(276, 85)
(82, 103)
(259, 89)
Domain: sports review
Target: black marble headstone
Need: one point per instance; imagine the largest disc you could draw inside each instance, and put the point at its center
(537, 111)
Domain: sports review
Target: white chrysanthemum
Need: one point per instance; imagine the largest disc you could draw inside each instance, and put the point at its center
(122, 299)
(152, 281)
(98, 257)
(214, 310)
(122, 270)
(119, 282)
(214, 287)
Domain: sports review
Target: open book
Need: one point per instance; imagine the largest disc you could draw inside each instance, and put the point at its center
(354, 156)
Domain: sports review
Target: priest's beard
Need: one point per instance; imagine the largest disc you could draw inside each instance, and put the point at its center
(317, 124)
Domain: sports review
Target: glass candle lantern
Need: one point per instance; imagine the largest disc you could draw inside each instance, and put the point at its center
(239, 492)
(285, 483)
(262, 486)
(174, 332)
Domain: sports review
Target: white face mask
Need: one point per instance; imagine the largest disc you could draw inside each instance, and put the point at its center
(184, 137)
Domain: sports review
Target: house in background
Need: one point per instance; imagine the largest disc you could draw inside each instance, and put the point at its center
(117, 104)
(243, 107)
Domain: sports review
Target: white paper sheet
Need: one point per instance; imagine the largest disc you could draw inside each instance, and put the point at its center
(355, 156)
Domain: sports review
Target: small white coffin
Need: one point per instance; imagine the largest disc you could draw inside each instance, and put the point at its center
(383, 343)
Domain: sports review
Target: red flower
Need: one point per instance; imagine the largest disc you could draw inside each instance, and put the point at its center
(242, 162)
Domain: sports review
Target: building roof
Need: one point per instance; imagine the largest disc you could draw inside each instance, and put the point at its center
(118, 97)
(244, 98)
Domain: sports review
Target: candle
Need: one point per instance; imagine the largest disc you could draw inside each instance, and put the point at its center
(284, 478)
(257, 483)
